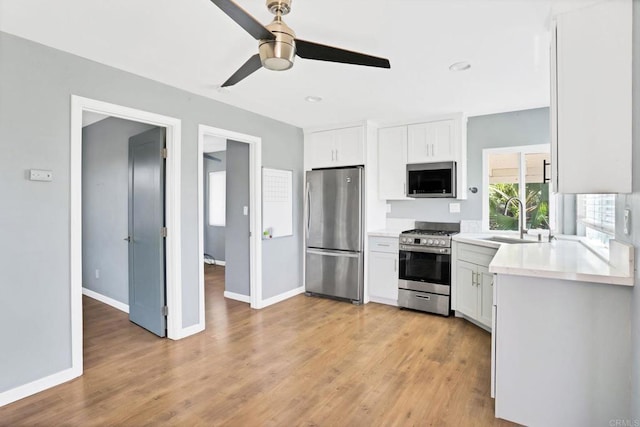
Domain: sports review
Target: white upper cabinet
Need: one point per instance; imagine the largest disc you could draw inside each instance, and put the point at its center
(591, 111)
(392, 163)
(431, 142)
(437, 140)
(336, 147)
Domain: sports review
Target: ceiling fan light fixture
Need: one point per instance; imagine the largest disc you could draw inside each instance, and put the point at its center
(277, 64)
(460, 66)
(278, 54)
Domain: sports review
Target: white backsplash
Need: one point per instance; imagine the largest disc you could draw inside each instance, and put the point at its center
(470, 226)
(401, 224)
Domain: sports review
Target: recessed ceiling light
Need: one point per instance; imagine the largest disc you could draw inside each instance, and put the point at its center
(313, 99)
(460, 66)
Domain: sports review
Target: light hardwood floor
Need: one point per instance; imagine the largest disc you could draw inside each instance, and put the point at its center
(305, 361)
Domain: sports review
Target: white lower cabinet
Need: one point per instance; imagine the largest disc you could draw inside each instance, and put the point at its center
(473, 283)
(383, 270)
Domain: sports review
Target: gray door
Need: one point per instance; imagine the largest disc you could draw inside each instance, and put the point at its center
(334, 209)
(146, 220)
(237, 243)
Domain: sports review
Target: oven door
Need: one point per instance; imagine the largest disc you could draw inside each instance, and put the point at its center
(425, 270)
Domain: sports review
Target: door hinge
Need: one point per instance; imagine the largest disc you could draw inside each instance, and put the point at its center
(164, 153)
(163, 231)
(165, 310)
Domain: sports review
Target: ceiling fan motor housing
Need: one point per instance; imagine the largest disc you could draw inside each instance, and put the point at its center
(281, 7)
(278, 54)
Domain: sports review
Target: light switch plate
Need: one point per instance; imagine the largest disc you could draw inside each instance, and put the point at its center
(40, 175)
(627, 221)
(245, 210)
(454, 207)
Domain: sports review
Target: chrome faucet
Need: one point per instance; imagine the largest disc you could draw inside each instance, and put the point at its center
(521, 214)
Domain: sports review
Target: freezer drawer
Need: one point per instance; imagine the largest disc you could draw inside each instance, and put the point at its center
(431, 303)
(334, 273)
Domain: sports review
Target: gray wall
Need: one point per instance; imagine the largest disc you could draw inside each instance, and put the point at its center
(492, 131)
(214, 236)
(105, 202)
(36, 83)
(632, 201)
(236, 277)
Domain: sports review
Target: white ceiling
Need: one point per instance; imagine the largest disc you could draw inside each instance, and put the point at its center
(193, 45)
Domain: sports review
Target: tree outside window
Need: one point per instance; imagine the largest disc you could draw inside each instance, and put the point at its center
(517, 172)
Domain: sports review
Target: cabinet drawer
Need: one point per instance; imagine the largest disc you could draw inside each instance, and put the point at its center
(383, 244)
(478, 255)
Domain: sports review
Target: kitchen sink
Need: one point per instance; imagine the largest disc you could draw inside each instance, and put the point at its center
(510, 240)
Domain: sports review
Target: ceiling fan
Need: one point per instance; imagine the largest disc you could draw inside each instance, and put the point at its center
(278, 44)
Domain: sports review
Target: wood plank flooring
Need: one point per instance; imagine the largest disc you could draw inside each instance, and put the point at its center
(305, 361)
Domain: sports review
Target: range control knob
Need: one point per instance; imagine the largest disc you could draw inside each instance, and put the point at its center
(424, 241)
(430, 241)
(442, 243)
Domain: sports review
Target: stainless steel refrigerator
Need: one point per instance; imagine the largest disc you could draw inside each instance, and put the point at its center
(334, 233)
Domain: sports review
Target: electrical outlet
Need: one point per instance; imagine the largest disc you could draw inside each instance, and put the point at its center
(245, 210)
(454, 207)
(97, 273)
(40, 175)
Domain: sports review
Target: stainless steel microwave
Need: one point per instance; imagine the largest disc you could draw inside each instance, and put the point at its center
(431, 179)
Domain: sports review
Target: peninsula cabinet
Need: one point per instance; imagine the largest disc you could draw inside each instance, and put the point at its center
(591, 89)
(335, 147)
(473, 283)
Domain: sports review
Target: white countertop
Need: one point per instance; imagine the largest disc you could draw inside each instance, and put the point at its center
(385, 232)
(560, 259)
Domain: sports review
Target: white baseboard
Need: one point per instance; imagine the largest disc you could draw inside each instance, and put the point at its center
(109, 301)
(216, 262)
(37, 386)
(381, 300)
(281, 297)
(237, 297)
(188, 331)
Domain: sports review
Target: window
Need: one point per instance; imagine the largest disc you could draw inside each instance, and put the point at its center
(596, 218)
(520, 172)
(217, 198)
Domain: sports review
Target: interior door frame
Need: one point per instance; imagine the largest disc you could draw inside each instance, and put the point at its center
(255, 212)
(172, 207)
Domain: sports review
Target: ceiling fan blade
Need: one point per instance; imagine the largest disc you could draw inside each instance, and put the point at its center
(246, 21)
(253, 64)
(311, 50)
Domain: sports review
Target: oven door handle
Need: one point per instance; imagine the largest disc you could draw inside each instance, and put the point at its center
(442, 251)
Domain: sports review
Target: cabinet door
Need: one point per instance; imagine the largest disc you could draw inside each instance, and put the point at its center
(392, 163)
(485, 295)
(466, 289)
(383, 276)
(349, 146)
(593, 97)
(319, 149)
(431, 142)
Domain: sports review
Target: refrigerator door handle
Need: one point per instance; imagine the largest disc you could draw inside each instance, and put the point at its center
(308, 210)
(328, 252)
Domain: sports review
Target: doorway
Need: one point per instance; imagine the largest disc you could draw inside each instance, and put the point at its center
(254, 209)
(123, 252)
(172, 127)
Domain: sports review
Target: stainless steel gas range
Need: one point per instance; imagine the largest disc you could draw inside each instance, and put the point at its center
(424, 280)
